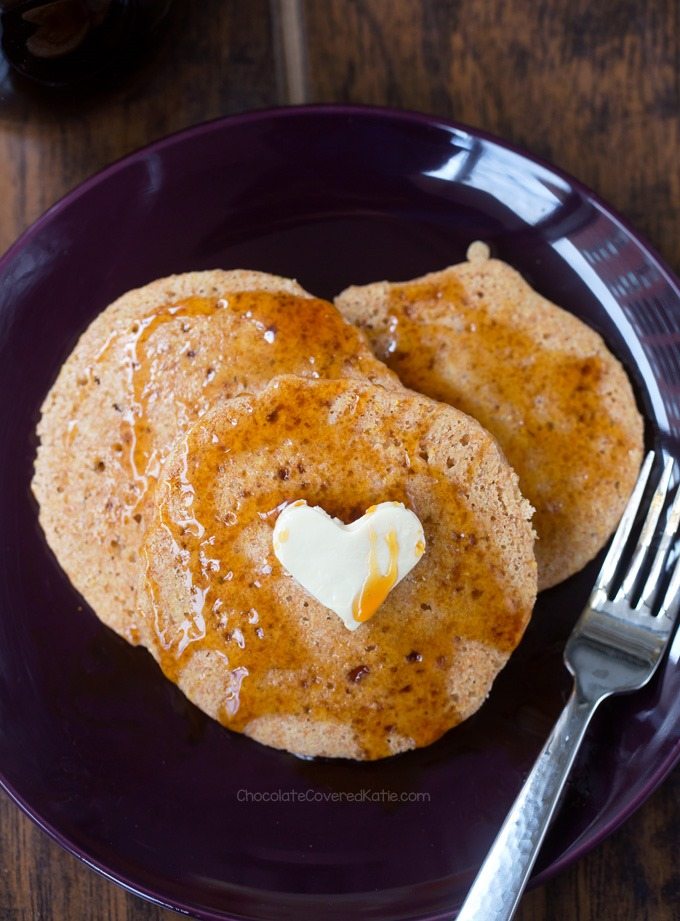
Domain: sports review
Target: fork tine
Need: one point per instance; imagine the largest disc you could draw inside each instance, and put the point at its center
(611, 561)
(671, 601)
(648, 531)
(655, 573)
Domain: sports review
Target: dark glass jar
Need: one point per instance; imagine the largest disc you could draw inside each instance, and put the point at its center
(62, 42)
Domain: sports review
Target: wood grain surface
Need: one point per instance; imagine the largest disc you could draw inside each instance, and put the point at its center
(595, 88)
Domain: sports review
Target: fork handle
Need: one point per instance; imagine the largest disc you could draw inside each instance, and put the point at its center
(502, 877)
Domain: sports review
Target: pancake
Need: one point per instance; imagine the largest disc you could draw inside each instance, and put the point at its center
(254, 650)
(145, 370)
(477, 336)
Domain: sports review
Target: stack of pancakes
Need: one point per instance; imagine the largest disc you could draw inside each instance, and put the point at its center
(193, 410)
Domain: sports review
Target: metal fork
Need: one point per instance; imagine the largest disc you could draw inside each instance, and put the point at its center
(615, 647)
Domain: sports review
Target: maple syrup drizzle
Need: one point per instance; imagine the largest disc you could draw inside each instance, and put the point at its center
(280, 652)
(544, 406)
(260, 334)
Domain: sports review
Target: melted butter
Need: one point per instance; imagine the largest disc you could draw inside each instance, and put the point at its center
(544, 406)
(249, 338)
(293, 658)
(378, 584)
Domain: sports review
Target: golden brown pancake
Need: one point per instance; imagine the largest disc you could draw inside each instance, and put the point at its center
(254, 650)
(147, 368)
(477, 336)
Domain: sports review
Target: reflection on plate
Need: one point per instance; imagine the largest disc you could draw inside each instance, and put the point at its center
(107, 755)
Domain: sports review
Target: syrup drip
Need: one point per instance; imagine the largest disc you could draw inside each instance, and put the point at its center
(144, 457)
(378, 584)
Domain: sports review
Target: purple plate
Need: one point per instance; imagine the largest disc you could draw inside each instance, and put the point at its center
(109, 757)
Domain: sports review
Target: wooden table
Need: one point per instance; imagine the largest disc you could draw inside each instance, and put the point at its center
(595, 88)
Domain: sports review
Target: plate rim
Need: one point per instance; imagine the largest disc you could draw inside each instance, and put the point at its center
(412, 116)
(585, 843)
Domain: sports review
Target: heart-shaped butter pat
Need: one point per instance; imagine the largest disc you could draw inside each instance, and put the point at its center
(349, 568)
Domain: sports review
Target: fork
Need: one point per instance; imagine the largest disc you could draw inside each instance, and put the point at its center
(615, 647)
